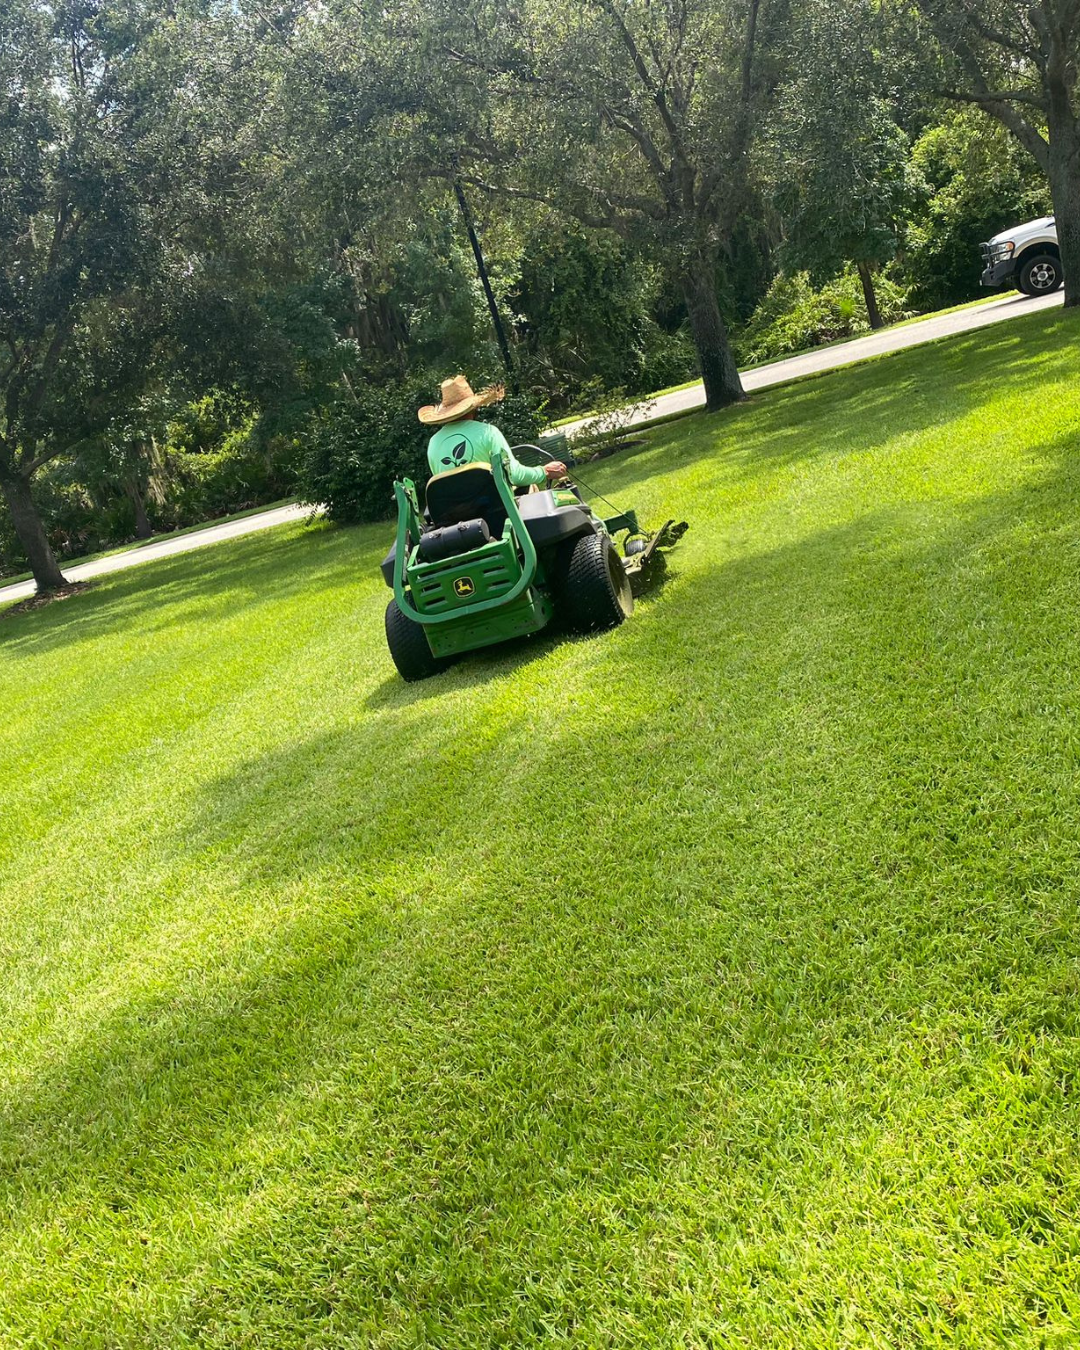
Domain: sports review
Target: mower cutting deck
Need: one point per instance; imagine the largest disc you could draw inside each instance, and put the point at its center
(481, 565)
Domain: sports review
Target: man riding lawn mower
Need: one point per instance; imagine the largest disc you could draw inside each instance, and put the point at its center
(502, 547)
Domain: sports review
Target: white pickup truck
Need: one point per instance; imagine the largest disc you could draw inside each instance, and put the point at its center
(1027, 252)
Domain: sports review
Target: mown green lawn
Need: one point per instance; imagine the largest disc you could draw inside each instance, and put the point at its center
(711, 983)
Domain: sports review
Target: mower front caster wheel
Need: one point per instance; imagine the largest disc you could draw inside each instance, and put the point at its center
(593, 585)
(409, 647)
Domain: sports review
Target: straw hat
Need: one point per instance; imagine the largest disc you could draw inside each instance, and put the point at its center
(458, 400)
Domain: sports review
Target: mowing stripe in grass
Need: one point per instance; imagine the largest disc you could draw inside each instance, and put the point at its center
(709, 983)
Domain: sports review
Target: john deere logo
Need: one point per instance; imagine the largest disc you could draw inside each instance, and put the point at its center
(463, 586)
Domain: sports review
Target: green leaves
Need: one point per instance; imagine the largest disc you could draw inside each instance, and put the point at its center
(844, 189)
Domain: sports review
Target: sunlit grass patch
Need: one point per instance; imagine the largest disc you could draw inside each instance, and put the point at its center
(712, 982)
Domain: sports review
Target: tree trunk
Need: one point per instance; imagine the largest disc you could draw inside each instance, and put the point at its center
(719, 372)
(143, 528)
(1065, 190)
(31, 531)
(872, 311)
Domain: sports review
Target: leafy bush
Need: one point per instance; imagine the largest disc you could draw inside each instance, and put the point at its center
(360, 445)
(667, 359)
(206, 471)
(242, 472)
(611, 423)
(977, 181)
(794, 316)
(586, 305)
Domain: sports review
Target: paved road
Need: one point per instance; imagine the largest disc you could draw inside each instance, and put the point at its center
(827, 358)
(1009, 306)
(166, 547)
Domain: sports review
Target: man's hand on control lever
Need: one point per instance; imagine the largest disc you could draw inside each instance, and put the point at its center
(554, 470)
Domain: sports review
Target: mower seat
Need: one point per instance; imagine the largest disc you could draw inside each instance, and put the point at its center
(468, 493)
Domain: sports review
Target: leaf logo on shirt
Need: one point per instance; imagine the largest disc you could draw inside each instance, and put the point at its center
(459, 452)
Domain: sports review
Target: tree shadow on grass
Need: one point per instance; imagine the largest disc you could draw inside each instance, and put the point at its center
(427, 1085)
(917, 389)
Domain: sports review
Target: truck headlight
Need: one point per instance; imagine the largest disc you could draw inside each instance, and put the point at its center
(999, 252)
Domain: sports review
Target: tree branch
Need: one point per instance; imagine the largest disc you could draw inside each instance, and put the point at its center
(6, 374)
(659, 97)
(631, 125)
(28, 470)
(609, 221)
(748, 51)
(999, 38)
(1028, 136)
(741, 131)
(52, 355)
(993, 96)
(62, 218)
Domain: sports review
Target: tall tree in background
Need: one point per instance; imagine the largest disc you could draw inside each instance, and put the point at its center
(842, 161)
(635, 118)
(1019, 61)
(37, 221)
(129, 137)
(77, 246)
(360, 184)
(974, 179)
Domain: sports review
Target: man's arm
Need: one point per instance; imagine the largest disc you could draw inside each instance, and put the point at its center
(521, 475)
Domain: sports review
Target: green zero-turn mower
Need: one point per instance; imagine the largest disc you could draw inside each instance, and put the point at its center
(480, 565)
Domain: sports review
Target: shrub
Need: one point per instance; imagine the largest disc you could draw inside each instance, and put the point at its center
(242, 472)
(359, 445)
(611, 423)
(794, 317)
(978, 180)
(668, 358)
(355, 451)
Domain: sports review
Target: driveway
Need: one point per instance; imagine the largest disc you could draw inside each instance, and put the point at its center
(1010, 306)
(165, 547)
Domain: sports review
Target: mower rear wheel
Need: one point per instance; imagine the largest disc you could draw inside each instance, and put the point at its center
(409, 646)
(594, 589)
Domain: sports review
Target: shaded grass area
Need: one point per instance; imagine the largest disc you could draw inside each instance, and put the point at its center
(711, 983)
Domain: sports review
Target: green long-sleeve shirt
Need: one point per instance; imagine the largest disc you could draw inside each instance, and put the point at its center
(472, 442)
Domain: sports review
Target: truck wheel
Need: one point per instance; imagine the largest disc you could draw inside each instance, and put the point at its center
(594, 589)
(409, 647)
(1040, 275)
